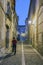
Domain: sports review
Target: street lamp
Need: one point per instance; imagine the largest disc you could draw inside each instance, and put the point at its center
(29, 22)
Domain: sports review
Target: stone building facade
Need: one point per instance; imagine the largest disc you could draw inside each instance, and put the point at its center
(15, 23)
(2, 24)
(40, 27)
(36, 27)
(6, 24)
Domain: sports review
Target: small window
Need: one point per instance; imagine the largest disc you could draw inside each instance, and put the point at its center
(8, 7)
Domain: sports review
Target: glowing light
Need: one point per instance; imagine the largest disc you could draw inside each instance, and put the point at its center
(29, 22)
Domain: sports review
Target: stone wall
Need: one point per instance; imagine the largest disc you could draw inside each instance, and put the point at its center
(36, 31)
(2, 28)
(40, 30)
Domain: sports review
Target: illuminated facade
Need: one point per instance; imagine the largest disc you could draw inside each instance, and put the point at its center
(36, 32)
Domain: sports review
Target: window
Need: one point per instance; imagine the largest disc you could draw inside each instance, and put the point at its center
(8, 7)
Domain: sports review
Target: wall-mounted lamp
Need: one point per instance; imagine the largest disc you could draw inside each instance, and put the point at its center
(29, 22)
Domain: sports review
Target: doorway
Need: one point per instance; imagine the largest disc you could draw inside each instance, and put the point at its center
(7, 36)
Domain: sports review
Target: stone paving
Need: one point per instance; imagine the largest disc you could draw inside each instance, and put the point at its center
(31, 57)
(12, 59)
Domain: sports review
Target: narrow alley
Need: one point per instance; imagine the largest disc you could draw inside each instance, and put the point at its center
(25, 56)
(21, 32)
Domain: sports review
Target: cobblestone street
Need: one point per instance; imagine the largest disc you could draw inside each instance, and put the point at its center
(30, 57)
